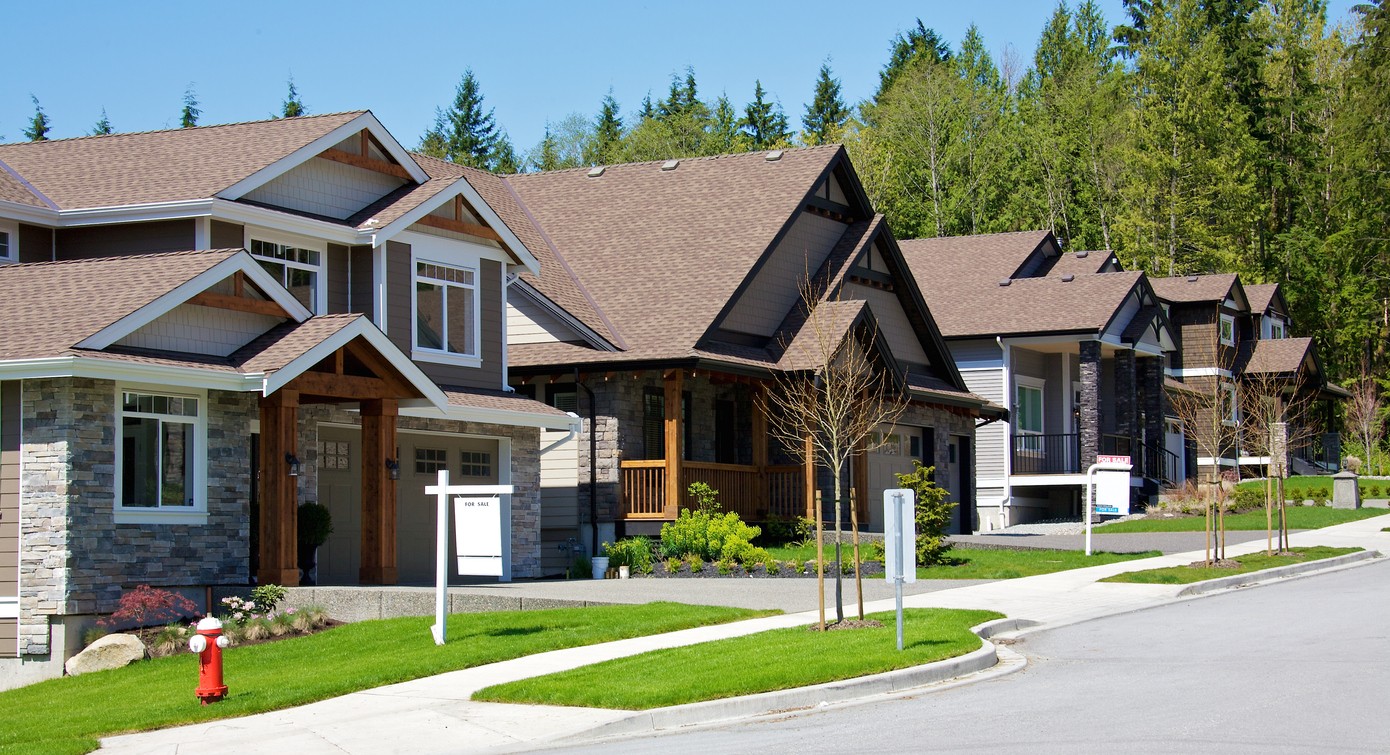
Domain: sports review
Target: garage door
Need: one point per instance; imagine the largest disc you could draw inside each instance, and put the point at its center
(470, 461)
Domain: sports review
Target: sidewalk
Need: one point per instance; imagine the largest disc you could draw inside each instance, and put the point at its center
(435, 715)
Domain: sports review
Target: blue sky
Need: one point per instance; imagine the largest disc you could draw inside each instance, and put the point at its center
(534, 60)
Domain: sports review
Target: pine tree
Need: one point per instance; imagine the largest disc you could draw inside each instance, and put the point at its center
(103, 126)
(763, 122)
(724, 134)
(547, 154)
(504, 160)
(188, 117)
(292, 107)
(608, 133)
(825, 117)
(918, 43)
(38, 126)
(465, 133)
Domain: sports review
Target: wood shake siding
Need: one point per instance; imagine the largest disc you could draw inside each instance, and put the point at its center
(228, 235)
(35, 243)
(9, 490)
(338, 279)
(400, 319)
(133, 238)
(361, 292)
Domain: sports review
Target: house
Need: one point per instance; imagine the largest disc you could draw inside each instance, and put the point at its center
(1072, 344)
(1230, 334)
(202, 328)
(667, 304)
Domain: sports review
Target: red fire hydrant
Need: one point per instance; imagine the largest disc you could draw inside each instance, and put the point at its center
(208, 644)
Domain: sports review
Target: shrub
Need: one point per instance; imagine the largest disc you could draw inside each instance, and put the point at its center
(239, 610)
(636, 553)
(725, 567)
(171, 639)
(146, 606)
(707, 533)
(673, 565)
(1246, 498)
(581, 567)
(780, 530)
(268, 597)
(315, 524)
(695, 563)
(933, 513)
(1373, 490)
(705, 497)
(874, 551)
(1353, 464)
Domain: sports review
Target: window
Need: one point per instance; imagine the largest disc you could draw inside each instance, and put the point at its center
(335, 455)
(1276, 327)
(564, 399)
(446, 309)
(476, 464)
(160, 455)
(1230, 410)
(1028, 414)
(654, 423)
(725, 431)
(430, 460)
(1228, 330)
(296, 268)
(9, 241)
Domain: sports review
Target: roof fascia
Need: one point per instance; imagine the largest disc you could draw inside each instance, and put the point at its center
(312, 149)
(462, 187)
(111, 369)
(528, 292)
(237, 212)
(135, 213)
(240, 262)
(26, 213)
(359, 327)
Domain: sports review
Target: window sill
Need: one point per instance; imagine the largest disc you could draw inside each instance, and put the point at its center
(156, 516)
(440, 357)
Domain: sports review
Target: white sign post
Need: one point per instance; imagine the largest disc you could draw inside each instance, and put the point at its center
(479, 538)
(899, 544)
(1109, 490)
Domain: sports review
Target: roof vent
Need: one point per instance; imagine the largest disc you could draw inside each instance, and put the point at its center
(670, 164)
(1081, 255)
(1005, 281)
(1068, 278)
(1191, 279)
(596, 171)
(773, 156)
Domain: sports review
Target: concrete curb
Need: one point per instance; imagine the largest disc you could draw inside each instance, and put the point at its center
(802, 698)
(1278, 572)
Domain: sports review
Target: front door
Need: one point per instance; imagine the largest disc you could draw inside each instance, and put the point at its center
(340, 489)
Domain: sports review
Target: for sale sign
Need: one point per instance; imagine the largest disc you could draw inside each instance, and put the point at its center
(478, 535)
(1112, 486)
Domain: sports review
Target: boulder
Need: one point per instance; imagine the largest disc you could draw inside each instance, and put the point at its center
(111, 651)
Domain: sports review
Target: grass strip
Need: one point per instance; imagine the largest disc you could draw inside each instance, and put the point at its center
(67, 715)
(1185, 575)
(763, 662)
(979, 563)
(1303, 487)
(1300, 518)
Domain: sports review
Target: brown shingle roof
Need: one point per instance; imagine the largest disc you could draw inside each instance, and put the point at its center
(1260, 296)
(12, 189)
(500, 400)
(1080, 263)
(1194, 288)
(279, 346)
(160, 166)
(46, 308)
(985, 258)
(662, 251)
(1278, 356)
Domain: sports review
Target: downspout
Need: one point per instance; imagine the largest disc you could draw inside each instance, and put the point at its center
(593, 460)
(1007, 501)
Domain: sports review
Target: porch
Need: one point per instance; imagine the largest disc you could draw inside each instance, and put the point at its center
(1060, 454)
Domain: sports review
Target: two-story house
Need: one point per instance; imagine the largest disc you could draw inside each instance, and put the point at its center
(202, 328)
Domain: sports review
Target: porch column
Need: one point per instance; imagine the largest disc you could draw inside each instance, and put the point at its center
(809, 469)
(859, 459)
(279, 526)
(674, 432)
(760, 428)
(1154, 403)
(378, 493)
(1089, 413)
(1126, 403)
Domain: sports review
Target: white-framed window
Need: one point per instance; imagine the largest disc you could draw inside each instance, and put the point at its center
(298, 264)
(446, 303)
(1028, 413)
(1277, 328)
(161, 456)
(1230, 409)
(1228, 330)
(9, 241)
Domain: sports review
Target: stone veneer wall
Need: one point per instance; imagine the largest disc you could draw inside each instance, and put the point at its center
(75, 559)
(525, 466)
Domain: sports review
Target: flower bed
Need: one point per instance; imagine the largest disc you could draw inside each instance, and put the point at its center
(783, 569)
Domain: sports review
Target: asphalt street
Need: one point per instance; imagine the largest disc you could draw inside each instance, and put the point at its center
(1295, 667)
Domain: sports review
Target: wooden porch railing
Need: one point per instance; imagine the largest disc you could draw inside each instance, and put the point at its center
(752, 493)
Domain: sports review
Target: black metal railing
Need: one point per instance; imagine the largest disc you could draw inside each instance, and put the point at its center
(1115, 445)
(1046, 454)
(1160, 464)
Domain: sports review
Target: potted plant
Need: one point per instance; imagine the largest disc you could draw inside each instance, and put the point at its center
(315, 525)
(600, 563)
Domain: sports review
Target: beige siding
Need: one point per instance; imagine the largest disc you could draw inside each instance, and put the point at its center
(527, 322)
(228, 235)
(400, 319)
(131, 238)
(837, 194)
(338, 279)
(9, 638)
(992, 439)
(893, 324)
(325, 187)
(201, 330)
(35, 243)
(774, 290)
(9, 490)
(559, 499)
(440, 232)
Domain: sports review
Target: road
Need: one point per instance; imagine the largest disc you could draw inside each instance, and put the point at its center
(1300, 666)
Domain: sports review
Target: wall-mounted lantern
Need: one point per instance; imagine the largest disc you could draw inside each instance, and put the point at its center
(293, 462)
(393, 469)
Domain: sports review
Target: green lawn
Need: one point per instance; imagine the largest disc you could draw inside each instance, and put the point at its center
(975, 563)
(67, 715)
(778, 659)
(1182, 575)
(1301, 488)
(1300, 518)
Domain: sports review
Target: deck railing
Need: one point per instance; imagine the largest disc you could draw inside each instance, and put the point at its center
(753, 493)
(1046, 454)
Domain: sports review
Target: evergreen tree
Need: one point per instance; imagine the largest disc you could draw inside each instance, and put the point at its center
(763, 122)
(608, 133)
(547, 154)
(825, 117)
(918, 43)
(648, 110)
(292, 107)
(103, 126)
(725, 135)
(188, 117)
(38, 126)
(504, 160)
(465, 133)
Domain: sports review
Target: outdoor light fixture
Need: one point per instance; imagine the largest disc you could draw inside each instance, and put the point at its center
(393, 469)
(293, 461)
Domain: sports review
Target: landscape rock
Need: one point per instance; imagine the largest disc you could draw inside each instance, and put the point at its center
(111, 651)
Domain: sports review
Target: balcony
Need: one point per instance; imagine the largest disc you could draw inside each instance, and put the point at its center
(1047, 454)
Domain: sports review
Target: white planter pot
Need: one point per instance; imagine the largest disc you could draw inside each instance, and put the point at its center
(623, 572)
(600, 566)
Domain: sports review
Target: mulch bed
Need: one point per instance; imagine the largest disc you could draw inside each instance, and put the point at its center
(848, 624)
(758, 571)
(148, 635)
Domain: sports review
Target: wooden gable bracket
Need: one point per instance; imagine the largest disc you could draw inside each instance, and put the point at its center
(365, 160)
(460, 226)
(238, 301)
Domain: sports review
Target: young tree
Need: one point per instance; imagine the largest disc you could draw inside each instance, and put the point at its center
(829, 411)
(763, 122)
(826, 115)
(39, 127)
(188, 117)
(293, 106)
(1365, 414)
(1276, 416)
(1209, 411)
(103, 126)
